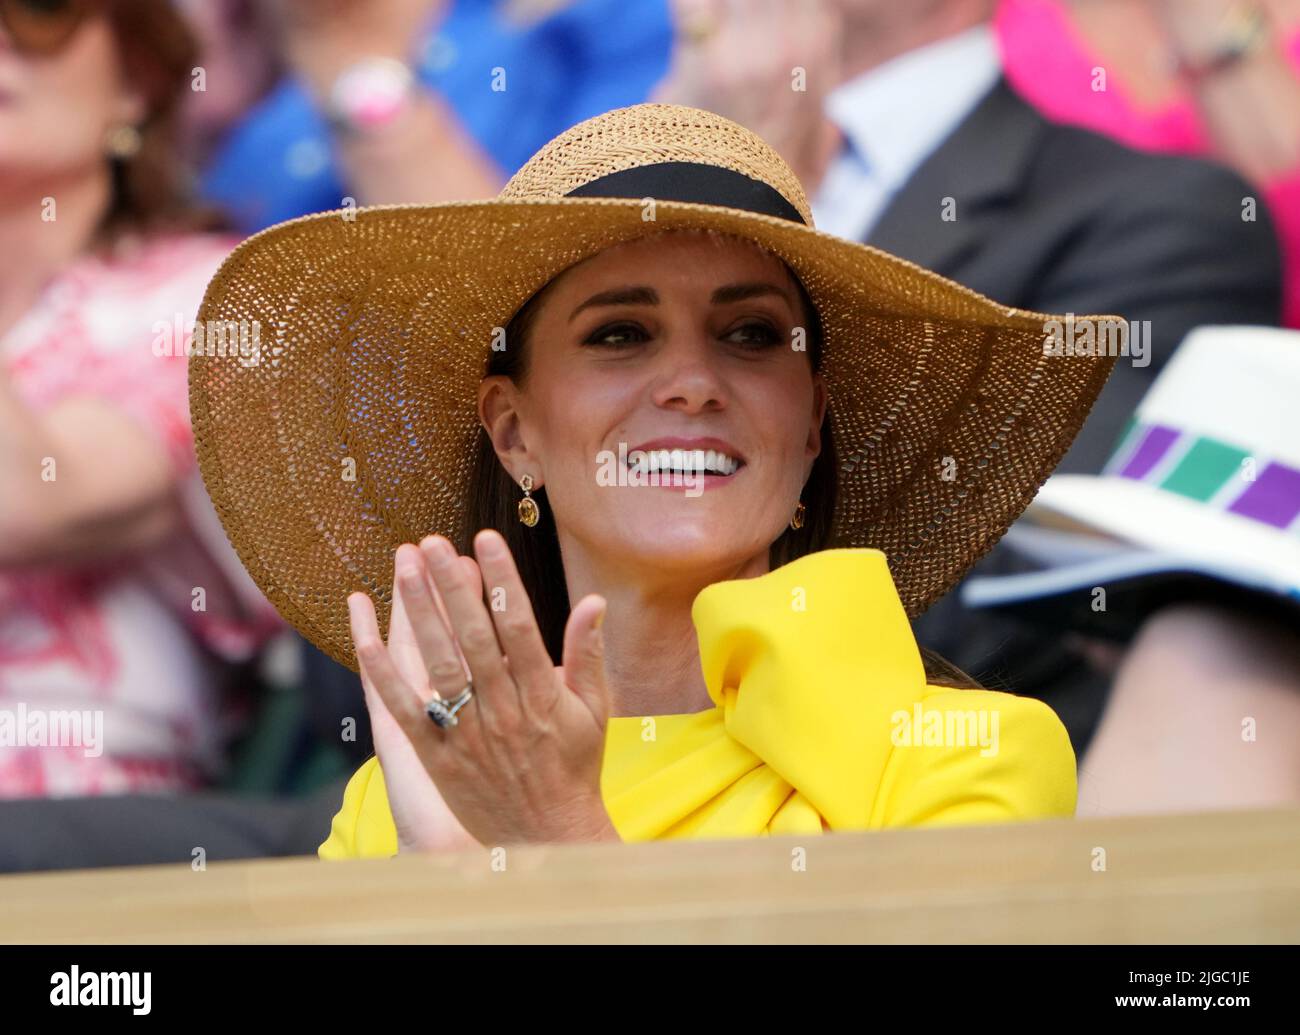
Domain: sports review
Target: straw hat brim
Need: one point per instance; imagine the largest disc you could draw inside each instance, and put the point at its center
(375, 328)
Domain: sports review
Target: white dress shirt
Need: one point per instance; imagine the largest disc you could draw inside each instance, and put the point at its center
(892, 117)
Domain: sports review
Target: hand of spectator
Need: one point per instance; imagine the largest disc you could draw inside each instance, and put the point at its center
(322, 37)
(1246, 90)
(767, 64)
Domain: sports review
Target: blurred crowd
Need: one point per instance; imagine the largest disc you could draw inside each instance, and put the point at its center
(1131, 157)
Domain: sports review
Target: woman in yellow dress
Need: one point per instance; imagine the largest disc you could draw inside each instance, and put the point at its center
(646, 476)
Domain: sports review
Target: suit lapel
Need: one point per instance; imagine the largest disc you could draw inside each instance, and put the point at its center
(982, 164)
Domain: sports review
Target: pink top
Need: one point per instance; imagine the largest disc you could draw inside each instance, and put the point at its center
(1049, 65)
(110, 675)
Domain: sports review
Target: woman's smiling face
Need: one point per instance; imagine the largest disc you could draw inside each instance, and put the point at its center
(683, 340)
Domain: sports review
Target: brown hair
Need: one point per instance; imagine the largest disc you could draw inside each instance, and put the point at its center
(152, 188)
(493, 499)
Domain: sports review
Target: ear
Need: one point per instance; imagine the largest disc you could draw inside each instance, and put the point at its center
(820, 396)
(500, 413)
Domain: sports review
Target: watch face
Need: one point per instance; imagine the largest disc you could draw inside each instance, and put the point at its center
(371, 92)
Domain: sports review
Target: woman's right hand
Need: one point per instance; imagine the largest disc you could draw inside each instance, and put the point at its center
(424, 822)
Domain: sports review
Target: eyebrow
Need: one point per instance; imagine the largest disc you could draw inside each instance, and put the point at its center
(648, 296)
(619, 296)
(741, 292)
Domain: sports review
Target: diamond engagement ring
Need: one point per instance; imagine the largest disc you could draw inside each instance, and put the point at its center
(444, 712)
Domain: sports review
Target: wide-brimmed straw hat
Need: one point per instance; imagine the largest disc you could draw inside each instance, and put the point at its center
(352, 427)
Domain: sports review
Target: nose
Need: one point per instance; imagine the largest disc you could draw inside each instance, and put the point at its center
(687, 377)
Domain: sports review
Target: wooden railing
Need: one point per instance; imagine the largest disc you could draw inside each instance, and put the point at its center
(1220, 877)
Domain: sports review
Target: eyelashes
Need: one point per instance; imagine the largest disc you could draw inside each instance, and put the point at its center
(751, 334)
(761, 335)
(616, 335)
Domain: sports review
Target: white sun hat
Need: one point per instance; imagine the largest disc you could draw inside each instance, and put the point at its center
(1205, 484)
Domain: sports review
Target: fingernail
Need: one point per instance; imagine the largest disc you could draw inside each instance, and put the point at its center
(440, 547)
(600, 618)
(489, 545)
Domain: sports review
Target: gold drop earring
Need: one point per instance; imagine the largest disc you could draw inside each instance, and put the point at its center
(799, 511)
(123, 142)
(528, 512)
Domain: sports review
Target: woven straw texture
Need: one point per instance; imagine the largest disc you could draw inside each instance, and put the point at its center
(376, 327)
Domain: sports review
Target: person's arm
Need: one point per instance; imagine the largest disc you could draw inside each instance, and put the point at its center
(425, 154)
(1251, 105)
(80, 481)
(1203, 668)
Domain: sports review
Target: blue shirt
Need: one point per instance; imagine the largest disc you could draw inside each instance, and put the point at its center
(589, 57)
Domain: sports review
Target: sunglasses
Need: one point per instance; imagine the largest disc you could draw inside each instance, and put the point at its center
(42, 26)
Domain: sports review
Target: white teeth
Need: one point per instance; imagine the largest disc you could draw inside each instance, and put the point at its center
(684, 461)
(719, 462)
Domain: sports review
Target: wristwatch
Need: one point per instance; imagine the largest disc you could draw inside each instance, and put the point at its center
(369, 94)
(1244, 30)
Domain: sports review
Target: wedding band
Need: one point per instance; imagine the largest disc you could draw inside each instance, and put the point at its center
(443, 713)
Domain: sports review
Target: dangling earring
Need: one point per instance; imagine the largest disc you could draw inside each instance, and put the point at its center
(797, 520)
(122, 142)
(528, 512)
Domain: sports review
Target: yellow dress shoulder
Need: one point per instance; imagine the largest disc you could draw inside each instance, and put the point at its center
(822, 720)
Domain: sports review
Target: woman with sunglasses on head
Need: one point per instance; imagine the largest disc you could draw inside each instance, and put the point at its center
(643, 476)
(115, 597)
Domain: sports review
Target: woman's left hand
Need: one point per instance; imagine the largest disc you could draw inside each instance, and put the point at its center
(524, 762)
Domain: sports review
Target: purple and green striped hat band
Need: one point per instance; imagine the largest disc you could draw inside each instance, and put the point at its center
(1218, 474)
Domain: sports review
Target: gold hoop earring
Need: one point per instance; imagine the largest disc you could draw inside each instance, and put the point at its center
(123, 142)
(799, 511)
(528, 512)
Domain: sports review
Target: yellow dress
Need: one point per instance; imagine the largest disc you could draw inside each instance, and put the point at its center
(822, 721)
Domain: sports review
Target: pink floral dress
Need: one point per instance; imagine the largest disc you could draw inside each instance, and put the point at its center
(136, 645)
